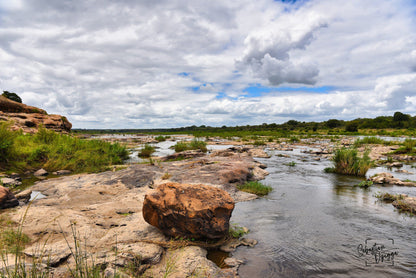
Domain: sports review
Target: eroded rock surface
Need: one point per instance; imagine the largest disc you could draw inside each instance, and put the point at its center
(189, 210)
(106, 211)
(7, 198)
(29, 118)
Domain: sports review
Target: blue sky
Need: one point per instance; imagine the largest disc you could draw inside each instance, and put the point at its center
(150, 64)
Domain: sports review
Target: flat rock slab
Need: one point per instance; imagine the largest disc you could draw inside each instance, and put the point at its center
(106, 208)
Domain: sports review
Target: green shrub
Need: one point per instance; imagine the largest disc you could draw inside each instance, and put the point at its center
(387, 197)
(236, 231)
(255, 187)
(6, 142)
(192, 145)
(365, 184)
(161, 138)
(348, 162)
(12, 96)
(259, 143)
(53, 151)
(370, 140)
(147, 151)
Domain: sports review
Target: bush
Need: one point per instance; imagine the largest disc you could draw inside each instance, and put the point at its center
(6, 142)
(370, 140)
(348, 162)
(255, 187)
(12, 96)
(53, 151)
(193, 145)
(147, 151)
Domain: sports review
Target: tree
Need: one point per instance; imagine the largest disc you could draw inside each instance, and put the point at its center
(351, 127)
(12, 96)
(400, 117)
(332, 123)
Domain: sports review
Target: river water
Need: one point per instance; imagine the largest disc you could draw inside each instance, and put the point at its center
(312, 224)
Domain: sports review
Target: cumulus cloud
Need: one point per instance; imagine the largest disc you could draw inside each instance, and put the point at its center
(268, 50)
(143, 64)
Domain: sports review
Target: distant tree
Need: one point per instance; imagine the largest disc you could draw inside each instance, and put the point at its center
(400, 117)
(292, 122)
(333, 123)
(12, 96)
(351, 127)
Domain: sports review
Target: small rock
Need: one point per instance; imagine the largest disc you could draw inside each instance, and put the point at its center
(7, 199)
(62, 172)
(41, 173)
(24, 196)
(10, 182)
(233, 262)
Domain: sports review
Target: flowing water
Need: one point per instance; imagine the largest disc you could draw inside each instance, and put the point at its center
(312, 224)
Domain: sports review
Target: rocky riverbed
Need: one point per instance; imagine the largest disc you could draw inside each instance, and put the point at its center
(104, 212)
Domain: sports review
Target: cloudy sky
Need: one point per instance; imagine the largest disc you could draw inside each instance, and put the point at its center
(172, 63)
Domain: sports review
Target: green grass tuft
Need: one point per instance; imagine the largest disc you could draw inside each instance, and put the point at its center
(147, 150)
(192, 145)
(347, 162)
(255, 187)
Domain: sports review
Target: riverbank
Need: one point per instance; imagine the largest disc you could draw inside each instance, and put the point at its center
(105, 210)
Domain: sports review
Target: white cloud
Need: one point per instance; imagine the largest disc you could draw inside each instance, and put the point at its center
(164, 63)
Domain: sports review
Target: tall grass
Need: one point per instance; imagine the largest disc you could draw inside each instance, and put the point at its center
(147, 150)
(347, 162)
(255, 187)
(370, 140)
(408, 147)
(192, 145)
(53, 151)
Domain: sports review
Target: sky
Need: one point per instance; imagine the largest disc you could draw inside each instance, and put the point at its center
(173, 63)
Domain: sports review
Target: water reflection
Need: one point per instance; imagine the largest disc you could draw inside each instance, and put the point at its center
(312, 222)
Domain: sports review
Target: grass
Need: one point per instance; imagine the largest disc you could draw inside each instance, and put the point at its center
(147, 150)
(192, 145)
(364, 184)
(387, 197)
(236, 231)
(291, 164)
(404, 207)
(255, 187)
(347, 162)
(54, 151)
(407, 148)
(370, 140)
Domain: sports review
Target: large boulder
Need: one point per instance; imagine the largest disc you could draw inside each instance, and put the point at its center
(191, 211)
(7, 199)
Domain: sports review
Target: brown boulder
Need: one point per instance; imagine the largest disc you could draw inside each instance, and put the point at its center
(190, 211)
(7, 199)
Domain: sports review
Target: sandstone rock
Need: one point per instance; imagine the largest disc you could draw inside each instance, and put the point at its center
(232, 244)
(24, 196)
(7, 199)
(191, 211)
(259, 174)
(62, 172)
(256, 152)
(387, 178)
(41, 173)
(184, 155)
(189, 261)
(10, 182)
(29, 118)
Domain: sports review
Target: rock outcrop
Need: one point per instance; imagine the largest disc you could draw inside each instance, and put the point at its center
(29, 118)
(387, 178)
(7, 199)
(189, 210)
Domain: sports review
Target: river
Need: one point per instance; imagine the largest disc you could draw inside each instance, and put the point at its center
(313, 223)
